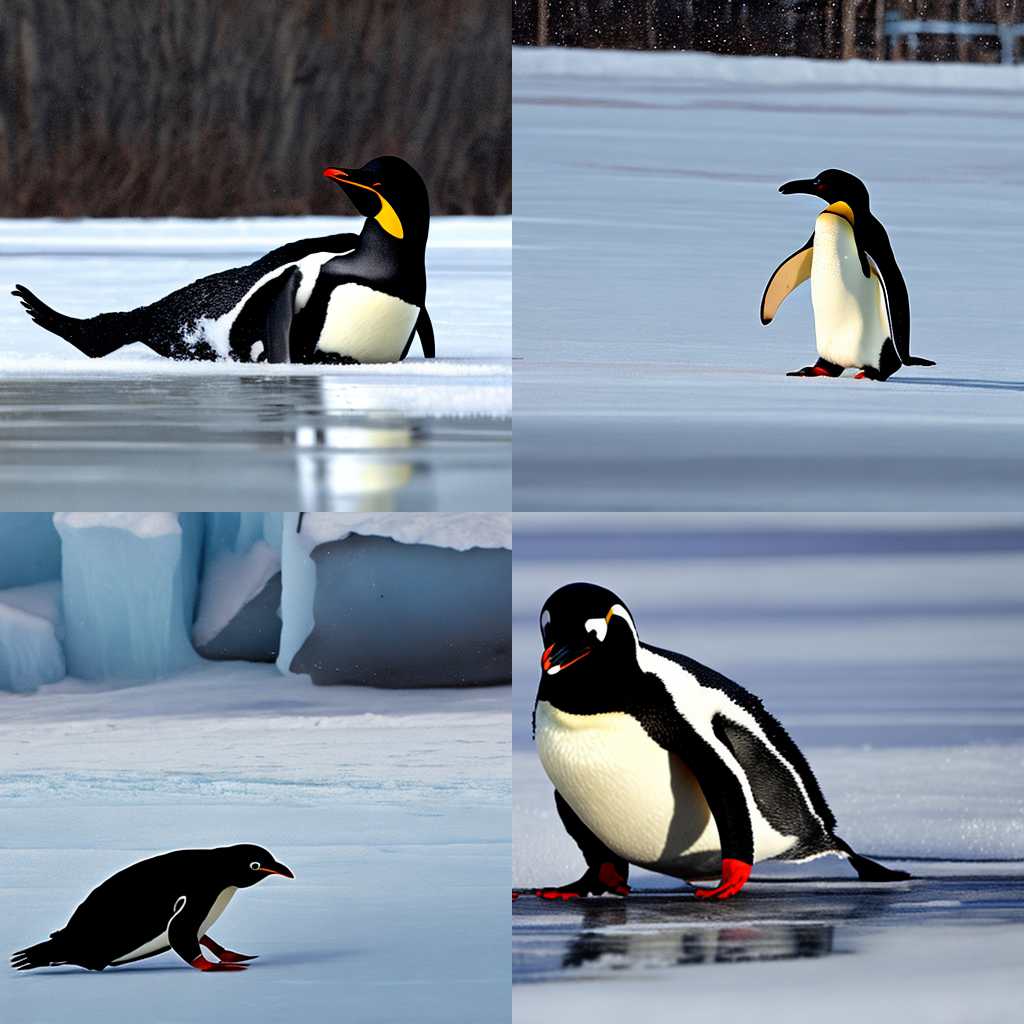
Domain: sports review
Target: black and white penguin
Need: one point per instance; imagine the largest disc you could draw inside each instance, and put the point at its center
(165, 902)
(861, 307)
(662, 762)
(337, 299)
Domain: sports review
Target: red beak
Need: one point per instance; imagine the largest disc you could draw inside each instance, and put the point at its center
(335, 173)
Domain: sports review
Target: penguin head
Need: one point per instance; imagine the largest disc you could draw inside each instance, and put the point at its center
(833, 186)
(586, 625)
(247, 864)
(388, 191)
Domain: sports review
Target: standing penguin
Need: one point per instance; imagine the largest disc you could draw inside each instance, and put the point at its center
(336, 299)
(861, 307)
(165, 902)
(660, 761)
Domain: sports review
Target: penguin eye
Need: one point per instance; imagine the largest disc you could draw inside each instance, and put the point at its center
(545, 621)
(255, 865)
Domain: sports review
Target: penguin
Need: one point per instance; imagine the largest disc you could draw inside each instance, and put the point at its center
(662, 762)
(861, 307)
(336, 299)
(165, 902)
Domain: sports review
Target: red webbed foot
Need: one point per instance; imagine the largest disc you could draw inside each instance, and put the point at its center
(605, 879)
(734, 876)
(202, 964)
(225, 956)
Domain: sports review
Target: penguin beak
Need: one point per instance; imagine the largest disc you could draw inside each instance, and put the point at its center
(801, 185)
(278, 869)
(555, 660)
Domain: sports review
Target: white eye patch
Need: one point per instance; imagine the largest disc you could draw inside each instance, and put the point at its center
(545, 621)
(599, 627)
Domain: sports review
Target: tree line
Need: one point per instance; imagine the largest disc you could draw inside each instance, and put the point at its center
(234, 107)
(805, 28)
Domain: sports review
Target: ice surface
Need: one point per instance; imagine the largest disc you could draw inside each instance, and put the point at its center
(31, 631)
(29, 548)
(392, 810)
(129, 592)
(460, 531)
(647, 224)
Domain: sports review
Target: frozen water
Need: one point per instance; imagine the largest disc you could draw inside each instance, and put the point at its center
(31, 631)
(129, 592)
(647, 224)
(29, 548)
(392, 810)
(892, 654)
(439, 583)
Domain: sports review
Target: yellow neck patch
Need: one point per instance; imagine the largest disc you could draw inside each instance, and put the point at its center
(388, 219)
(841, 209)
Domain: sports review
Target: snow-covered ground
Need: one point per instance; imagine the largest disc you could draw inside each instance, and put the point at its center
(418, 435)
(647, 223)
(391, 809)
(894, 655)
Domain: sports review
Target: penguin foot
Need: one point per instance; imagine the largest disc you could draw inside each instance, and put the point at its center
(734, 876)
(809, 371)
(599, 882)
(225, 956)
(202, 964)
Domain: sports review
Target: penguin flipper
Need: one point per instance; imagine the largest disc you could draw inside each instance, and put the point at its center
(183, 933)
(606, 871)
(789, 274)
(425, 329)
(280, 310)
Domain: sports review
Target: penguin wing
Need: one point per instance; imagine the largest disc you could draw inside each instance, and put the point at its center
(789, 274)
(894, 289)
(190, 912)
(279, 312)
(717, 772)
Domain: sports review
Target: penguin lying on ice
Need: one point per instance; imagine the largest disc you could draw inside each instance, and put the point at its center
(661, 762)
(166, 902)
(861, 308)
(337, 299)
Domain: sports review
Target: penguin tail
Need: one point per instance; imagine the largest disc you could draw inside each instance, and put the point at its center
(918, 361)
(867, 869)
(98, 336)
(43, 954)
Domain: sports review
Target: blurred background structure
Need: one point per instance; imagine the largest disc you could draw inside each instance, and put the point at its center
(931, 30)
(234, 107)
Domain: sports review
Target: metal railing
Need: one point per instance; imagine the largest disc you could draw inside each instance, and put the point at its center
(898, 27)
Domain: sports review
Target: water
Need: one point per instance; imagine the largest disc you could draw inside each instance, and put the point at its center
(221, 440)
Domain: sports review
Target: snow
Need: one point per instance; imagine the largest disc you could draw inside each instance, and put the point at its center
(143, 525)
(122, 263)
(891, 651)
(398, 836)
(647, 224)
(458, 531)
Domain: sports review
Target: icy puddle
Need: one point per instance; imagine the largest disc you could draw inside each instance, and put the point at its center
(269, 441)
(775, 920)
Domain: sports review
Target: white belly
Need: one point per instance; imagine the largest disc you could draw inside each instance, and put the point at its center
(162, 942)
(640, 801)
(850, 322)
(367, 325)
